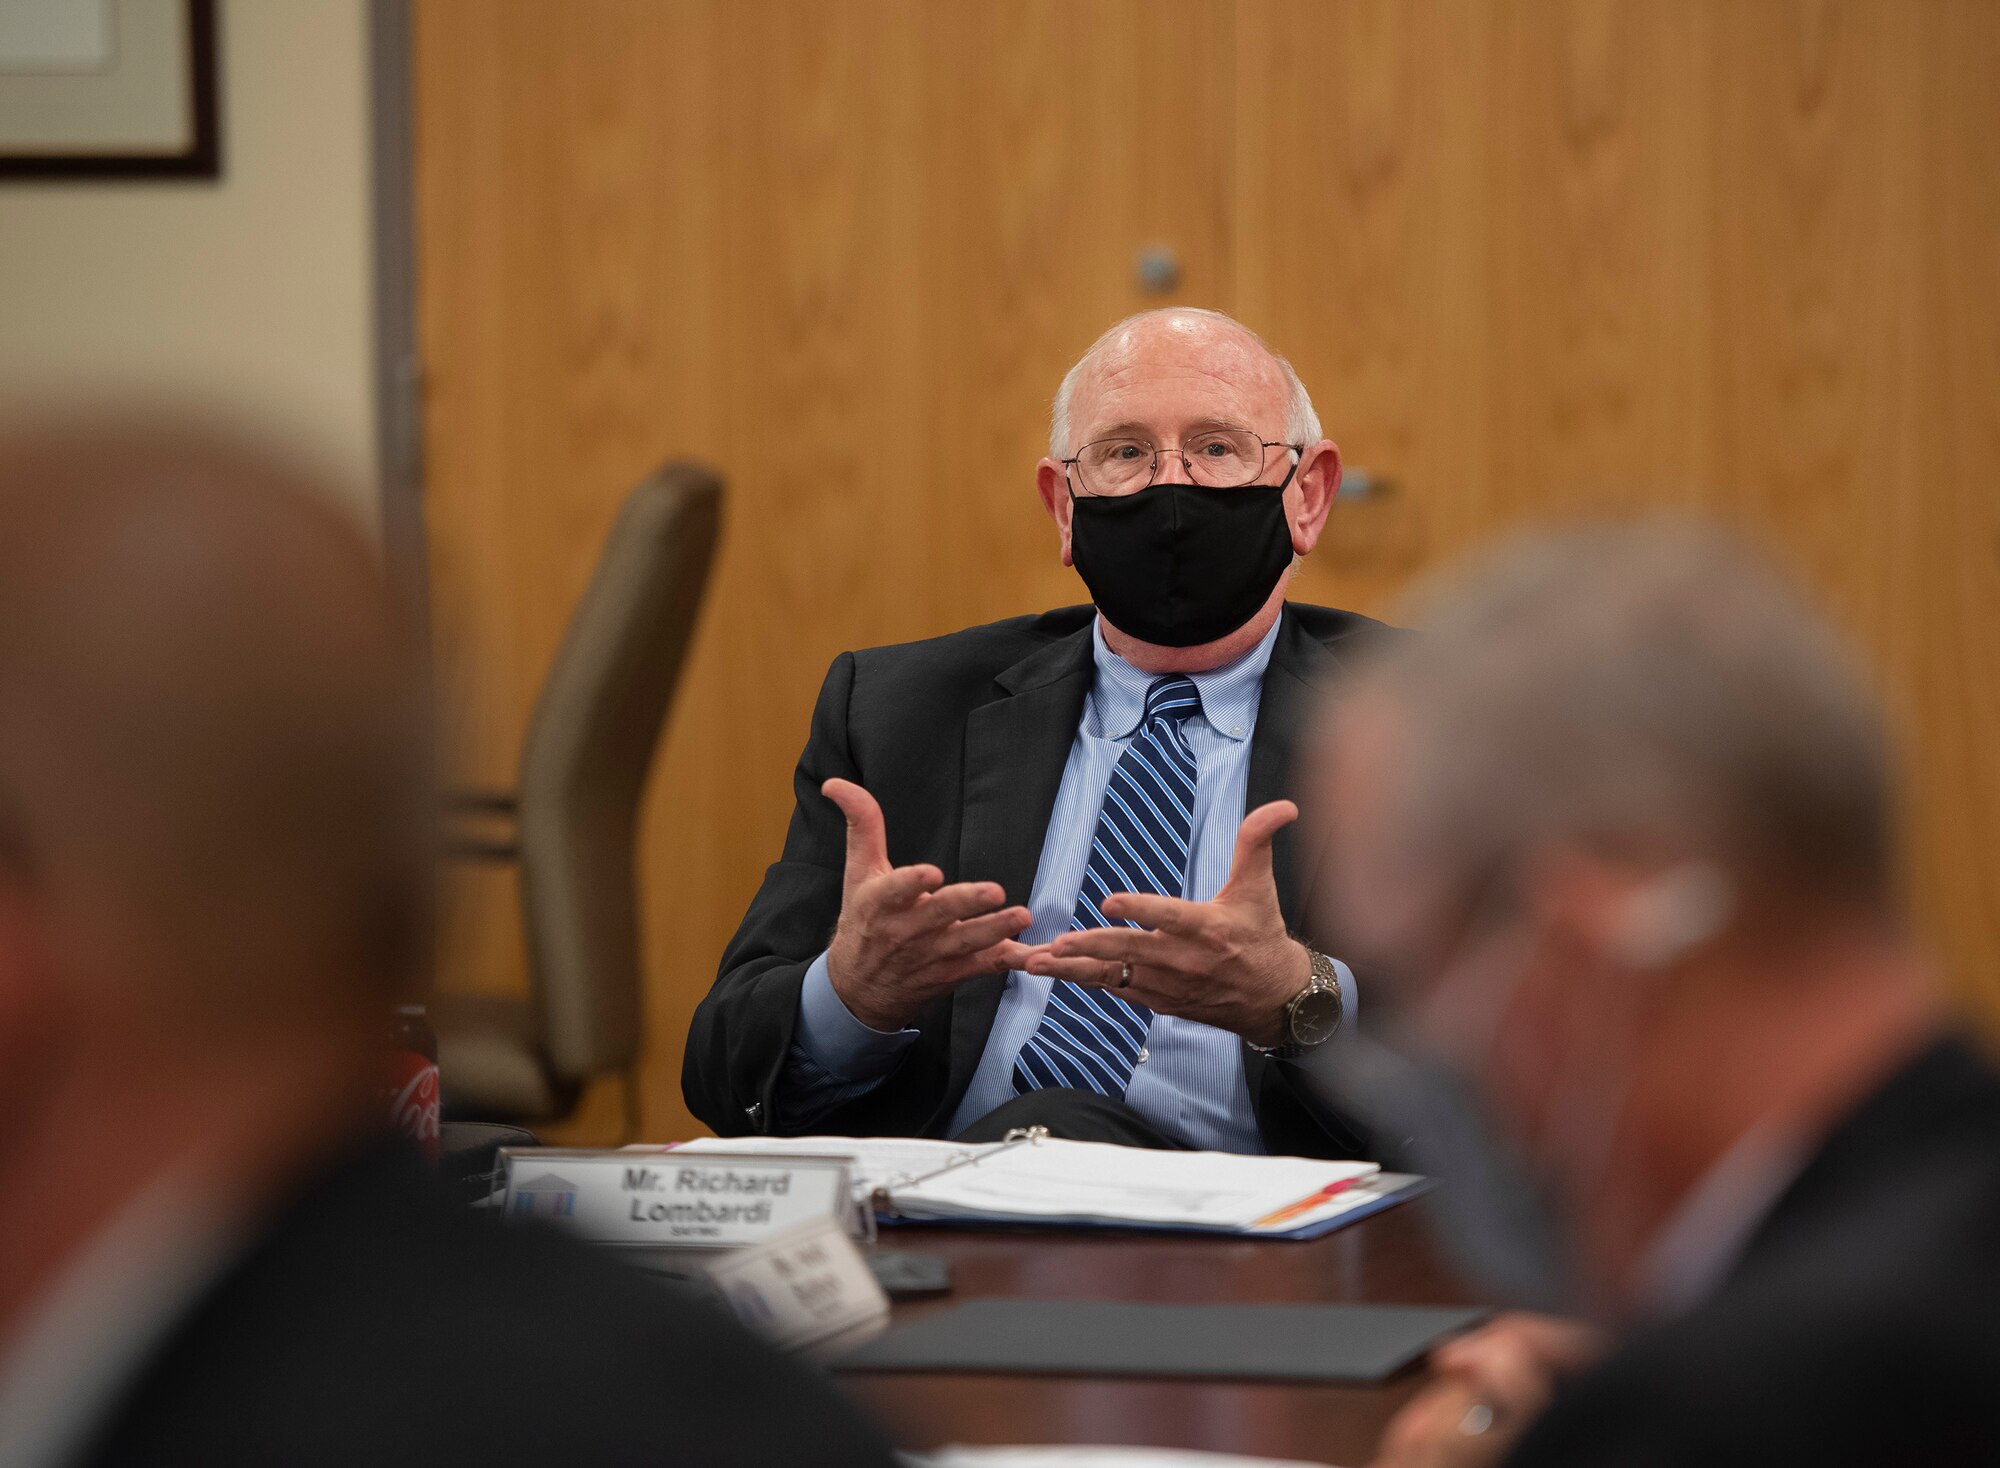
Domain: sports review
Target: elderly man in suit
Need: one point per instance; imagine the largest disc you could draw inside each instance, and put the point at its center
(215, 835)
(1615, 841)
(1039, 872)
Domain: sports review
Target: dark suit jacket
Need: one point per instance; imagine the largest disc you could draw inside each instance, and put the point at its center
(1861, 1326)
(379, 1323)
(963, 740)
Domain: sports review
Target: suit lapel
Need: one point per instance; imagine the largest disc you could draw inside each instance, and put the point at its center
(1945, 1089)
(1294, 684)
(1016, 748)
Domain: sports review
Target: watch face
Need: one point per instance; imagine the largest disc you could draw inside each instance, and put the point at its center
(1315, 1016)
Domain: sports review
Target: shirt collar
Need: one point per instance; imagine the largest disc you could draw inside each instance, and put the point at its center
(99, 1321)
(1229, 694)
(1698, 1245)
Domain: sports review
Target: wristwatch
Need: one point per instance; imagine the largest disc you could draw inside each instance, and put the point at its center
(1313, 1014)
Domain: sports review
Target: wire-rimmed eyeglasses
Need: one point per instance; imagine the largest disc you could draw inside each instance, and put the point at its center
(1220, 458)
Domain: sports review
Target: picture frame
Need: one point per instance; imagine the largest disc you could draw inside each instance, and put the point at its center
(109, 89)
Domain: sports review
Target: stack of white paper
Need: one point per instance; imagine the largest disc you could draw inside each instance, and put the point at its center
(1092, 1182)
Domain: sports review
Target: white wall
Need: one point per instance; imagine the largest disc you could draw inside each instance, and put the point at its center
(249, 297)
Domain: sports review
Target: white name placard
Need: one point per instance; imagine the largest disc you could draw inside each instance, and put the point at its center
(806, 1287)
(666, 1199)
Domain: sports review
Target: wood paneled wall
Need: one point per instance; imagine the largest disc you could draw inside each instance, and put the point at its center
(1532, 256)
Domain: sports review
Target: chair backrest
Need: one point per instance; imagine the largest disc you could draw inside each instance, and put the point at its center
(585, 759)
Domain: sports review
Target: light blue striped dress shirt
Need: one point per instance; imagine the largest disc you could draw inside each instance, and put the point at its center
(1191, 1083)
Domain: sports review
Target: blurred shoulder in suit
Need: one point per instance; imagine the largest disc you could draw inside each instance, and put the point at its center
(215, 848)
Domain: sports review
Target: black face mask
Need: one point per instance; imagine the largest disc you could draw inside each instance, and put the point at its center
(1178, 565)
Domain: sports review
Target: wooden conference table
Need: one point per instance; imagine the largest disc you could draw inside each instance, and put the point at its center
(1387, 1259)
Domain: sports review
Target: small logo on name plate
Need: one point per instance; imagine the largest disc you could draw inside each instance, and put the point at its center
(547, 1196)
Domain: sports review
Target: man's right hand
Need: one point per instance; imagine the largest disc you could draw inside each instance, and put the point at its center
(904, 937)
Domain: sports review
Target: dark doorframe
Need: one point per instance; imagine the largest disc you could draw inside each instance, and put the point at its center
(399, 368)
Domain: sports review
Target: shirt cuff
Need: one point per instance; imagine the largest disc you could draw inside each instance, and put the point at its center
(1350, 992)
(840, 1043)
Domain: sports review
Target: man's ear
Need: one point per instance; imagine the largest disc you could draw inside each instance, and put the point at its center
(1675, 913)
(1052, 483)
(1310, 496)
(1633, 917)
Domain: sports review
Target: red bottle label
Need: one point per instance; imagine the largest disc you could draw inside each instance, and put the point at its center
(413, 1099)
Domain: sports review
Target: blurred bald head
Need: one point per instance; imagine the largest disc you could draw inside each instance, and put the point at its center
(210, 767)
(1655, 690)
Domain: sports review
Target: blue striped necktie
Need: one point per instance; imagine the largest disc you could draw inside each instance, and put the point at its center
(1091, 1038)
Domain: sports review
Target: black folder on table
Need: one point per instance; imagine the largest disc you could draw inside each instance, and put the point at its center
(1111, 1338)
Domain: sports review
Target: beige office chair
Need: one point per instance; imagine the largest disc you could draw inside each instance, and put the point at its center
(584, 762)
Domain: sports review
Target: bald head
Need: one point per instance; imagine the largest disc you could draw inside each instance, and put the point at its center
(209, 763)
(1218, 360)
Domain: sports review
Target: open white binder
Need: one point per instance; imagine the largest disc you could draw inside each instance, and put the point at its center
(1033, 1178)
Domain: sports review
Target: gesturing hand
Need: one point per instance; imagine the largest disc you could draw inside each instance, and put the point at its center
(1227, 962)
(904, 937)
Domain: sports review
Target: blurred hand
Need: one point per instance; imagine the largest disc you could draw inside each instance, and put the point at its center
(1445, 1425)
(1488, 1386)
(1228, 962)
(904, 937)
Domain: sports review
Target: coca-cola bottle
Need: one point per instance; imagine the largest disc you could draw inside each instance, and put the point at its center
(412, 1087)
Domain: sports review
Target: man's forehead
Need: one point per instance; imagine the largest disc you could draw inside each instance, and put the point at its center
(1186, 367)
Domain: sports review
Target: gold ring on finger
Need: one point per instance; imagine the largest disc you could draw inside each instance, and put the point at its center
(1125, 974)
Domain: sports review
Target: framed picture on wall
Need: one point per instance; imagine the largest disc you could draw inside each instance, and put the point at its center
(108, 89)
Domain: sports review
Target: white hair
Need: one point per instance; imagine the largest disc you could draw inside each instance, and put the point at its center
(1656, 687)
(1301, 422)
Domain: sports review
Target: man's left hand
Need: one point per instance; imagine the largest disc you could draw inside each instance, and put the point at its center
(1486, 1388)
(1227, 962)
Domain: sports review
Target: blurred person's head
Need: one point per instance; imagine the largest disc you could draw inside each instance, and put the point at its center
(212, 869)
(1186, 474)
(1612, 835)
